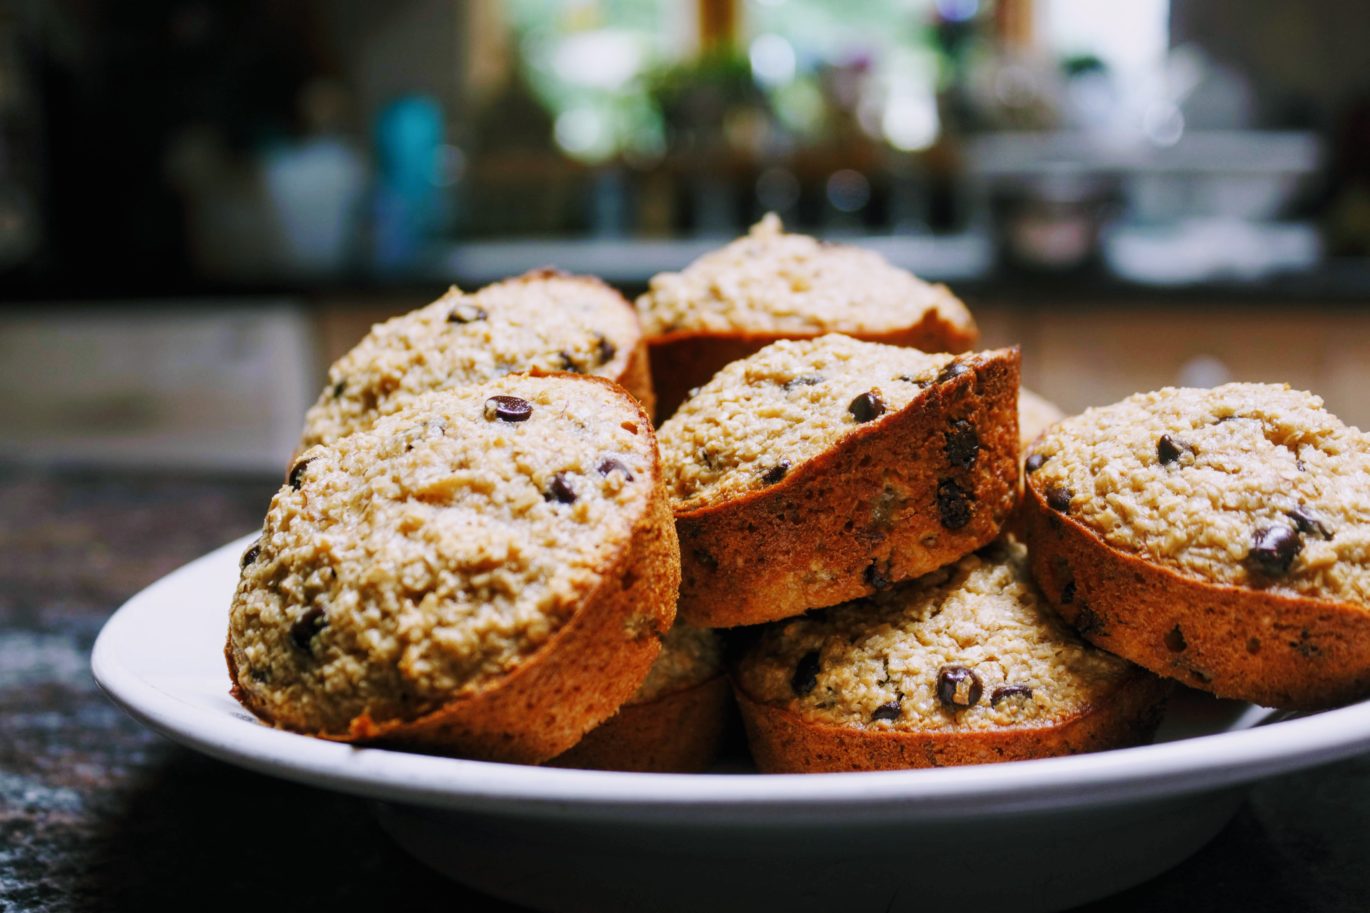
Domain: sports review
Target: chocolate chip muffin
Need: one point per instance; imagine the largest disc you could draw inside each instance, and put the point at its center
(967, 665)
(544, 320)
(487, 573)
(674, 723)
(820, 470)
(1221, 537)
(770, 285)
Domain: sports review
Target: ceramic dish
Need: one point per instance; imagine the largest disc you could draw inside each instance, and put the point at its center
(1042, 835)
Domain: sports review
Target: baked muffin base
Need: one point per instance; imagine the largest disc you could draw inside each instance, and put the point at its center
(784, 742)
(1272, 649)
(678, 732)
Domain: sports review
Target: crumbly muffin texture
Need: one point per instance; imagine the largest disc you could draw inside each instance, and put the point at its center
(689, 656)
(969, 648)
(772, 282)
(418, 561)
(1246, 484)
(760, 418)
(543, 320)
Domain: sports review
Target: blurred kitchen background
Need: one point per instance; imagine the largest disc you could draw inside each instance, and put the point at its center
(202, 202)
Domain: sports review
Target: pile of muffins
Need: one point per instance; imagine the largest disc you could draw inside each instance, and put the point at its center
(533, 524)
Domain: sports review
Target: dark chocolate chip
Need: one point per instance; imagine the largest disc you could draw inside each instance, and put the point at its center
(1068, 593)
(1168, 449)
(958, 687)
(338, 389)
(560, 490)
(1004, 692)
(1174, 640)
(1058, 498)
(466, 313)
(611, 464)
(962, 444)
(1273, 550)
(805, 674)
(803, 380)
(875, 577)
(568, 363)
(867, 407)
(1087, 621)
(1308, 520)
(297, 474)
(954, 369)
(508, 408)
(890, 710)
(1034, 462)
(607, 350)
(251, 554)
(309, 624)
(776, 472)
(953, 504)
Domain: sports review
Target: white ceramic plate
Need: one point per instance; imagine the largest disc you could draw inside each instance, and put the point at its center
(1044, 834)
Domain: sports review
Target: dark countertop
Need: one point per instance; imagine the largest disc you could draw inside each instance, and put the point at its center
(98, 813)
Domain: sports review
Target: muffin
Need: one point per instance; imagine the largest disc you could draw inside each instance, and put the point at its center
(1220, 537)
(769, 285)
(967, 665)
(543, 320)
(675, 721)
(820, 470)
(486, 573)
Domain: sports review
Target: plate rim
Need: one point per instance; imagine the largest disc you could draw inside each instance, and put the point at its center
(1176, 768)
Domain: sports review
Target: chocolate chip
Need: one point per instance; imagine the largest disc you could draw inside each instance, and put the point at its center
(251, 554)
(1087, 621)
(560, 490)
(1168, 449)
(297, 474)
(1174, 640)
(568, 363)
(338, 389)
(958, 687)
(776, 472)
(1004, 692)
(875, 577)
(508, 408)
(953, 504)
(954, 369)
(867, 407)
(1058, 498)
(962, 444)
(1273, 550)
(803, 380)
(1068, 593)
(611, 464)
(466, 313)
(805, 674)
(1034, 462)
(607, 350)
(1307, 520)
(890, 710)
(309, 624)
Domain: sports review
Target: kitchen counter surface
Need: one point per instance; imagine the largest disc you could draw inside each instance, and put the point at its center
(98, 813)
